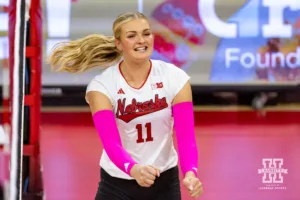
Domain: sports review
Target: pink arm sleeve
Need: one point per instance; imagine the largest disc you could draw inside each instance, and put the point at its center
(183, 114)
(105, 124)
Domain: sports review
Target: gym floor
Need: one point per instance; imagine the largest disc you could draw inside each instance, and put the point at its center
(231, 146)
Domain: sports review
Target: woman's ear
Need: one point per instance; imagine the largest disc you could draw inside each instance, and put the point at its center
(118, 44)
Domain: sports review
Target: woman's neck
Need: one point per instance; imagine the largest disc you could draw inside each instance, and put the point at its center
(135, 73)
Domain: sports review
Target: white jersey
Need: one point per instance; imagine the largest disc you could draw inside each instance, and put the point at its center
(144, 115)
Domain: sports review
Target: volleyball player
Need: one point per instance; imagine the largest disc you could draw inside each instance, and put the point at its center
(134, 103)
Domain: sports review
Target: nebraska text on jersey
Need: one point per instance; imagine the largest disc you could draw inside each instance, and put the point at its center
(137, 109)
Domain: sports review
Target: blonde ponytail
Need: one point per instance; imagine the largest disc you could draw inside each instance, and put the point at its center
(91, 51)
(83, 54)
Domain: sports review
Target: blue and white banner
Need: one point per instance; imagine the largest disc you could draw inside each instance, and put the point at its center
(214, 41)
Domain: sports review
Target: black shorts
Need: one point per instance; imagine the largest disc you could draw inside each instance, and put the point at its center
(165, 187)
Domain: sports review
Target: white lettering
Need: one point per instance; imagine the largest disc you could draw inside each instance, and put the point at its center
(277, 57)
(276, 26)
(293, 59)
(247, 56)
(246, 22)
(229, 57)
(248, 59)
(213, 23)
(260, 58)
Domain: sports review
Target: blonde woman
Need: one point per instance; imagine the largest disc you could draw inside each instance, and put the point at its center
(134, 103)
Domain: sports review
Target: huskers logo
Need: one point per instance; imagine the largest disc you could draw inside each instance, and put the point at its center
(137, 109)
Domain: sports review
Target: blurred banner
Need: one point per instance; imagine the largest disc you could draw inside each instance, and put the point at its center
(214, 41)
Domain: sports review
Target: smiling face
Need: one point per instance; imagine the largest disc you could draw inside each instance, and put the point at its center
(136, 40)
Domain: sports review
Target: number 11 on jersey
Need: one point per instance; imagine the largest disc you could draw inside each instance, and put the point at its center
(140, 138)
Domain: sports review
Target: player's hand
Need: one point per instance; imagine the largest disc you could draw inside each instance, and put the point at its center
(144, 175)
(193, 185)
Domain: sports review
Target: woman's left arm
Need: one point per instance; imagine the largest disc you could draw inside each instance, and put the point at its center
(183, 113)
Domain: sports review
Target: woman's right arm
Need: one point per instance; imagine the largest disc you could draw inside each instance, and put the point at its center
(105, 124)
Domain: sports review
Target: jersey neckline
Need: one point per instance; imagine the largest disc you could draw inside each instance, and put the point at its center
(119, 67)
